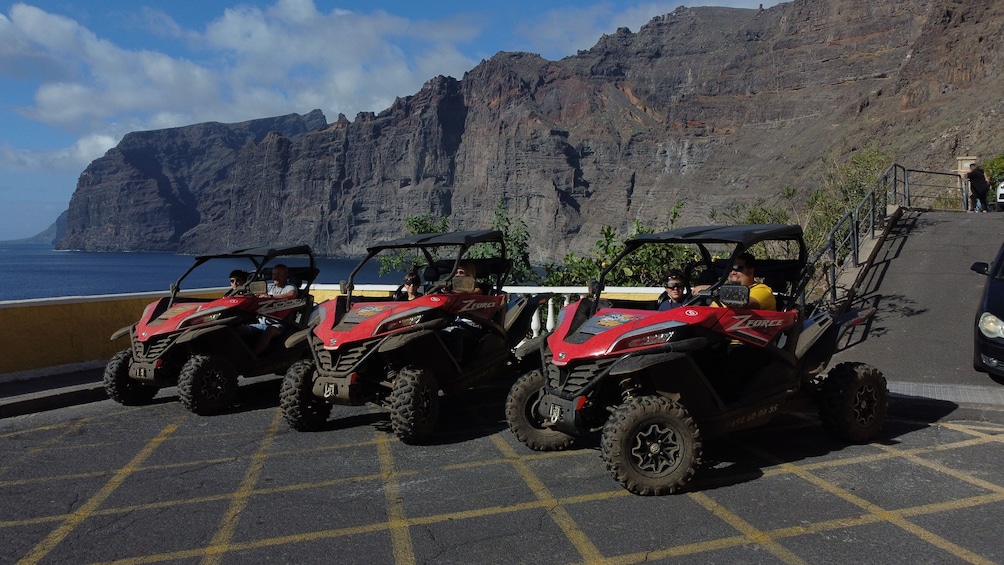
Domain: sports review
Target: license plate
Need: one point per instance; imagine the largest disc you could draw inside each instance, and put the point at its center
(554, 413)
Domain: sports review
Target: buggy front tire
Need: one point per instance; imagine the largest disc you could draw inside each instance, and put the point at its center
(651, 445)
(207, 384)
(300, 408)
(122, 388)
(525, 422)
(414, 405)
(853, 402)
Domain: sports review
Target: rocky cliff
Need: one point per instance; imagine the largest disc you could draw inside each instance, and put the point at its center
(708, 106)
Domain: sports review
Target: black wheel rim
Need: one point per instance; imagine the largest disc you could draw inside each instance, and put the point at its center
(214, 385)
(657, 449)
(866, 403)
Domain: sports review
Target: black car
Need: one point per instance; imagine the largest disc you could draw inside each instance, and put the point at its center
(988, 341)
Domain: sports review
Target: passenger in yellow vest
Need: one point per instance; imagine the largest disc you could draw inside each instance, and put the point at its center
(761, 295)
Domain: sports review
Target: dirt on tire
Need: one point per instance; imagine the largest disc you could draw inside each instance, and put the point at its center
(207, 384)
(651, 445)
(524, 422)
(853, 402)
(120, 387)
(414, 405)
(300, 408)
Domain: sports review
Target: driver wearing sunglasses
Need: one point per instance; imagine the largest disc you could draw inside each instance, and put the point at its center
(742, 272)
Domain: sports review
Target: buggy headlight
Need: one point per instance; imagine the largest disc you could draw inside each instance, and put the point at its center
(645, 337)
(409, 318)
(202, 318)
(990, 325)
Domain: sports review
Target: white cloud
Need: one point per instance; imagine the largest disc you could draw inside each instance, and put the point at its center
(72, 159)
(248, 63)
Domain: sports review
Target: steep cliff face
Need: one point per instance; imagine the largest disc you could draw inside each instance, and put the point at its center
(708, 106)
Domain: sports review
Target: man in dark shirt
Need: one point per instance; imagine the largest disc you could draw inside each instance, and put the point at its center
(979, 186)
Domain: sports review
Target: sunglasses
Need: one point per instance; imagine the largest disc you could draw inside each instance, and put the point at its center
(739, 267)
(674, 286)
(232, 281)
(411, 282)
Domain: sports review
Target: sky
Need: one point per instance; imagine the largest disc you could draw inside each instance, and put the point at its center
(77, 75)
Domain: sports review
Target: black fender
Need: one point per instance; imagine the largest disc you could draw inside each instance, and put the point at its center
(531, 347)
(122, 332)
(634, 362)
(297, 338)
(520, 316)
(190, 335)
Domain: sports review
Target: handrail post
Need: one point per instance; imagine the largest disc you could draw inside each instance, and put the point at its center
(855, 237)
(832, 274)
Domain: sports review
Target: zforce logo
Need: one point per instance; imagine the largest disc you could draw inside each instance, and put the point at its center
(743, 322)
(476, 305)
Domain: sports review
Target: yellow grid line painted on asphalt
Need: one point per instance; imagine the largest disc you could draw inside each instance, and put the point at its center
(404, 552)
(370, 528)
(948, 471)
(239, 500)
(980, 430)
(10, 461)
(550, 503)
(748, 531)
(75, 518)
(580, 541)
(891, 517)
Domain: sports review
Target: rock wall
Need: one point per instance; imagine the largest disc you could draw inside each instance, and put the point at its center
(708, 106)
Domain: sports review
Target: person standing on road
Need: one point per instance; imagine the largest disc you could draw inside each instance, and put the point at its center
(979, 186)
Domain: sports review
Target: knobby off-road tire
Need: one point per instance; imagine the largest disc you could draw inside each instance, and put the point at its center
(122, 388)
(524, 420)
(414, 405)
(651, 445)
(853, 402)
(207, 384)
(301, 409)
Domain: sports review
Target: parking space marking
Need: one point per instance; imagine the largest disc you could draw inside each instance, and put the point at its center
(398, 525)
(75, 518)
(892, 517)
(944, 470)
(556, 511)
(404, 552)
(239, 500)
(749, 531)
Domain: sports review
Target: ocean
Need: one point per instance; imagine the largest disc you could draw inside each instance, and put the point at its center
(33, 270)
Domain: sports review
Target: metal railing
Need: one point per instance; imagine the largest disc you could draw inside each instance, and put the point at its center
(897, 186)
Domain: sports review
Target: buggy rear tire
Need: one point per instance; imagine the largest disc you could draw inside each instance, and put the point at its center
(300, 408)
(651, 445)
(524, 420)
(853, 402)
(122, 388)
(414, 405)
(207, 384)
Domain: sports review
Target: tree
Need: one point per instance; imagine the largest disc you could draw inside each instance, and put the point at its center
(402, 260)
(645, 267)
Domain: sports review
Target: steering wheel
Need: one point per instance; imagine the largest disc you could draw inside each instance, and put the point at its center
(688, 277)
